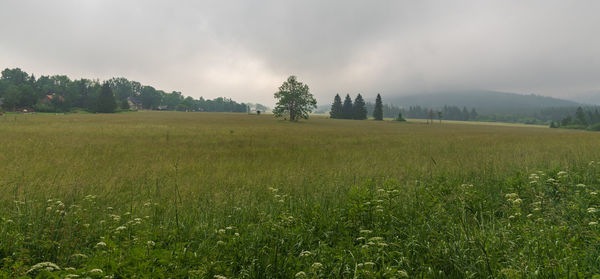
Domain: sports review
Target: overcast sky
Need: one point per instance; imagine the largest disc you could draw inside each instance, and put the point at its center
(246, 49)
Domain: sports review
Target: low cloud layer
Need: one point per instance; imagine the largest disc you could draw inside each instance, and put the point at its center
(245, 49)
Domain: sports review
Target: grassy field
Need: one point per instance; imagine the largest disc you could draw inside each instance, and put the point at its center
(213, 195)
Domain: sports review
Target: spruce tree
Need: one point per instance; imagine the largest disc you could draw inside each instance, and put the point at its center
(378, 111)
(106, 100)
(580, 117)
(347, 108)
(360, 108)
(336, 107)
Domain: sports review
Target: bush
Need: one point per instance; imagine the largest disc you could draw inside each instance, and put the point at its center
(400, 118)
(594, 127)
(43, 107)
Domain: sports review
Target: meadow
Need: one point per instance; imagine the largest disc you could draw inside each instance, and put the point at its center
(217, 195)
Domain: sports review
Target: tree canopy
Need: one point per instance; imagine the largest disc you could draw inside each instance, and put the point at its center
(347, 110)
(58, 93)
(336, 107)
(359, 109)
(378, 111)
(106, 100)
(294, 99)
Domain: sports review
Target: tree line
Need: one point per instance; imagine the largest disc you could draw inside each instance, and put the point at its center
(348, 110)
(588, 119)
(59, 93)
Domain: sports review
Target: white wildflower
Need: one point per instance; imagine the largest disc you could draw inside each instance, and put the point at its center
(100, 244)
(593, 223)
(517, 201)
(121, 228)
(96, 270)
(317, 265)
(151, 243)
(219, 277)
(366, 231)
(301, 274)
(45, 266)
(592, 210)
(580, 185)
(305, 253)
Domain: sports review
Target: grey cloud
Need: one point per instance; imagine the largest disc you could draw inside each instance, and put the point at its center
(245, 49)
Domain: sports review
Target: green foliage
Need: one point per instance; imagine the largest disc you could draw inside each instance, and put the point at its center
(125, 105)
(106, 100)
(580, 117)
(359, 109)
(336, 107)
(347, 108)
(400, 118)
(294, 99)
(19, 91)
(378, 110)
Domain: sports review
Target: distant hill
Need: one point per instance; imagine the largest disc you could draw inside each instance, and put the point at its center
(486, 102)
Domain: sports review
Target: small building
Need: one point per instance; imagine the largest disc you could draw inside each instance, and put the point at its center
(162, 108)
(134, 103)
(47, 99)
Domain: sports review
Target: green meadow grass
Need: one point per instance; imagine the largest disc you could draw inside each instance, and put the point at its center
(204, 195)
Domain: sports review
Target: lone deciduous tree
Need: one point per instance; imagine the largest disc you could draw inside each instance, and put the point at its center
(336, 107)
(378, 111)
(294, 99)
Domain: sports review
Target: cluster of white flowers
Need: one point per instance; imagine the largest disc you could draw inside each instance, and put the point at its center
(317, 266)
(219, 277)
(367, 264)
(561, 174)
(300, 274)
(96, 271)
(43, 266)
(305, 253)
(100, 244)
(89, 198)
(513, 198)
(120, 228)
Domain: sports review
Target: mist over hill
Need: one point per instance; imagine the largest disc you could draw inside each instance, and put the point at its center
(487, 102)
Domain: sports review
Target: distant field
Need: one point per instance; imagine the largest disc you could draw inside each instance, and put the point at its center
(169, 194)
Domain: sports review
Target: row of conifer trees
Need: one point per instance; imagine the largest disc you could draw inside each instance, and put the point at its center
(356, 110)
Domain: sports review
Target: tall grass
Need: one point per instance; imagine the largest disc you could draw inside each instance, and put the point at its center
(159, 194)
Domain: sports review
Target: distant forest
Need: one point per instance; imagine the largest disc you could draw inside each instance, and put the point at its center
(20, 91)
(585, 119)
(543, 116)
